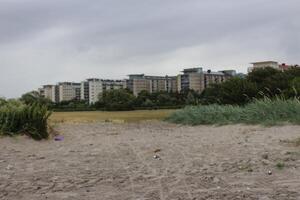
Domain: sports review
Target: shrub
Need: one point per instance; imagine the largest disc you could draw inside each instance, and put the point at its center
(18, 118)
(265, 111)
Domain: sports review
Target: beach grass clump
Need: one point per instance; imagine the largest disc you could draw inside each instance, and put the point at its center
(17, 118)
(264, 111)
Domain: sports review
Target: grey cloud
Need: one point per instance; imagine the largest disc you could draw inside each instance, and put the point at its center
(49, 41)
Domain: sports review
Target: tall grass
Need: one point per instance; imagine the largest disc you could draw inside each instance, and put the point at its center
(18, 118)
(264, 111)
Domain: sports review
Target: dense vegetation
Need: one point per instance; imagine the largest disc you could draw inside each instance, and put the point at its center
(258, 84)
(121, 100)
(125, 100)
(17, 117)
(264, 111)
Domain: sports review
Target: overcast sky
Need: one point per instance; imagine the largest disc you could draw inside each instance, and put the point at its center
(46, 41)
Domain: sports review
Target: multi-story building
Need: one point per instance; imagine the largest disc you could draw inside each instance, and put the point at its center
(196, 79)
(93, 87)
(90, 90)
(50, 92)
(263, 64)
(191, 79)
(139, 82)
(109, 84)
(217, 77)
(69, 91)
(41, 92)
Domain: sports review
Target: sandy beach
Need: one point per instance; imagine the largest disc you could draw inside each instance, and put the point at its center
(153, 160)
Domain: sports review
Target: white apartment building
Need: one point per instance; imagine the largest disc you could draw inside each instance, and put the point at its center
(91, 89)
(50, 92)
(68, 91)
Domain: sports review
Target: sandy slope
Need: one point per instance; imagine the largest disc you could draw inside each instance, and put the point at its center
(115, 161)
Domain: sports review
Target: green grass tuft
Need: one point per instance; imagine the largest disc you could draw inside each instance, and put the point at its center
(264, 111)
(280, 165)
(18, 118)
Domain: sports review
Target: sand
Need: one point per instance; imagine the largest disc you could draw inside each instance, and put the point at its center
(153, 160)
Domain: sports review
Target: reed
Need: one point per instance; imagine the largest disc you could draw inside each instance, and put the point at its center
(265, 111)
(17, 118)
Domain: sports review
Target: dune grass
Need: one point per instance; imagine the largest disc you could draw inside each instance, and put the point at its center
(264, 111)
(117, 116)
(17, 118)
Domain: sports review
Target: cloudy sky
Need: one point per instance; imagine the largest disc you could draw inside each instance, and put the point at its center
(46, 41)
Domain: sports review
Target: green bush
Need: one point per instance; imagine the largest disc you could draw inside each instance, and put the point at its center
(264, 111)
(18, 118)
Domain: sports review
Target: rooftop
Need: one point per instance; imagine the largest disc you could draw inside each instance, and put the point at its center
(263, 62)
(193, 70)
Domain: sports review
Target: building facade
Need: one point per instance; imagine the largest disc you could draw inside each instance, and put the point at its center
(263, 64)
(109, 84)
(93, 87)
(90, 90)
(139, 82)
(50, 92)
(215, 77)
(196, 79)
(69, 91)
(191, 79)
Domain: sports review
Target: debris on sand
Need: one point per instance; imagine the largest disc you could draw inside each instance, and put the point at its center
(157, 150)
(156, 157)
(270, 172)
(265, 156)
(9, 167)
(59, 138)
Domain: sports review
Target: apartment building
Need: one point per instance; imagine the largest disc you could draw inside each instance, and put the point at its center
(196, 79)
(41, 92)
(109, 84)
(139, 82)
(263, 64)
(69, 91)
(217, 77)
(90, 90)
(93, 87)
(191, 79)
(50, 92)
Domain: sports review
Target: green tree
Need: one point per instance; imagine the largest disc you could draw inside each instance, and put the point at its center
(34, 98)
(117, 100)
(236, 91)
(142, 97)
(190, 99)
(148, 103)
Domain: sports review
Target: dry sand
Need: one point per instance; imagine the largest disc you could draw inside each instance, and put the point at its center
(116, 162)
